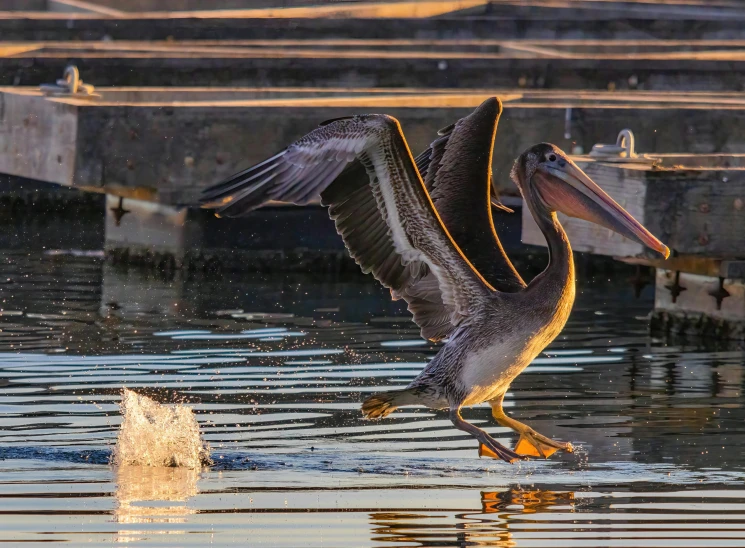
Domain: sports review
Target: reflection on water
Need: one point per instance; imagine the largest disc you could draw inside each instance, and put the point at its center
(148, 484)
(274, 369)
(490, 526)
(141, 492)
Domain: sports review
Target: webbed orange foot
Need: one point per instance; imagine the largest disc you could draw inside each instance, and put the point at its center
(533, 444)
(507, 456)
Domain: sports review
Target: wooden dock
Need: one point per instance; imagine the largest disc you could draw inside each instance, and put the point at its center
(507, 19)
(652, 65)
(185, 98)
(153, 144)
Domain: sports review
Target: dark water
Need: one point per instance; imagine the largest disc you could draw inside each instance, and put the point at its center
(275, 367)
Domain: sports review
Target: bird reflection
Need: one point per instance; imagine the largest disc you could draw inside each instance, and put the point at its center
(141, 492)
(532, 501)
(489, 527)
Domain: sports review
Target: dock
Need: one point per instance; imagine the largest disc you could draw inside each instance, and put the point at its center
(149, 143)
(187, 93)
(391, 62)
(507, 19)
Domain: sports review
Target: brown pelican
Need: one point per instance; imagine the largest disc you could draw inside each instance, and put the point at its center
(364, 172)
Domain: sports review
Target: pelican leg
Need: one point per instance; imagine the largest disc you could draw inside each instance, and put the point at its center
(531, 442)
(487, 445)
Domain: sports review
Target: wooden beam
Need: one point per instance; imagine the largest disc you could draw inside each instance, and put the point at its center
(692, 264)
(80, 6)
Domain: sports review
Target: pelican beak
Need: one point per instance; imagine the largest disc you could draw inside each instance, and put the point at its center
(495, 199)
(580, 197)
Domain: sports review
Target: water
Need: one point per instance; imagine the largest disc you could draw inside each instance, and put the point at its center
(275, 368)
(157, 435)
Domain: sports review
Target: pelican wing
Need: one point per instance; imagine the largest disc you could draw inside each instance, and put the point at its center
(354, 209)
(456, 169)
(389, 223)
(458, 178)
(351, 199)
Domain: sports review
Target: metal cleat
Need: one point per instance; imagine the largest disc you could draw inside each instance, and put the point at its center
(70, 85)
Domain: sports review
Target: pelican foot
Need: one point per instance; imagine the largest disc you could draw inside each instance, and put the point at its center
(533, 444)
(488, 446)
(500, 452)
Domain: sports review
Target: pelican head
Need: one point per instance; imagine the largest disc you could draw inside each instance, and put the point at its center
(549, 180)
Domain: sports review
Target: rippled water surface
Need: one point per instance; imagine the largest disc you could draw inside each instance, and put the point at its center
(275, 368)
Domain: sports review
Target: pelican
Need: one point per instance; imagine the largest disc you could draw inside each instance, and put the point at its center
(416, 232)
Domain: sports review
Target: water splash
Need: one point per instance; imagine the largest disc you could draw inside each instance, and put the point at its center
(152, 434)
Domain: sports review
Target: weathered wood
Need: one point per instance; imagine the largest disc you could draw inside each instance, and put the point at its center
(23, 5)
(698, 212)
(693, 308)
(694, 264)
(563, 24)
(297, 8)
(385, 63)
(37, 138)
(261, 10)
(531, 8)
(135, 6)
(152, 145)
(81, 6)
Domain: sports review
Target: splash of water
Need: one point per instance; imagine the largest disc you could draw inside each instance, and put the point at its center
(152, 434)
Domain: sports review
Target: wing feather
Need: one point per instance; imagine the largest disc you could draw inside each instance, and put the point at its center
(459, 180)
(456, 169)
(386, 218)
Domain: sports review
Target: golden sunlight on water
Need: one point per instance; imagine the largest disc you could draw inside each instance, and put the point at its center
(152, 495)
(273, 370)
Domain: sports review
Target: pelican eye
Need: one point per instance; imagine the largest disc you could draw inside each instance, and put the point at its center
(552, 157)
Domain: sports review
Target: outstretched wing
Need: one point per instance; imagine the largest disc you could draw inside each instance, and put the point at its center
(459, 180)
(353, 207)
(389, 225)
(456, 169)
